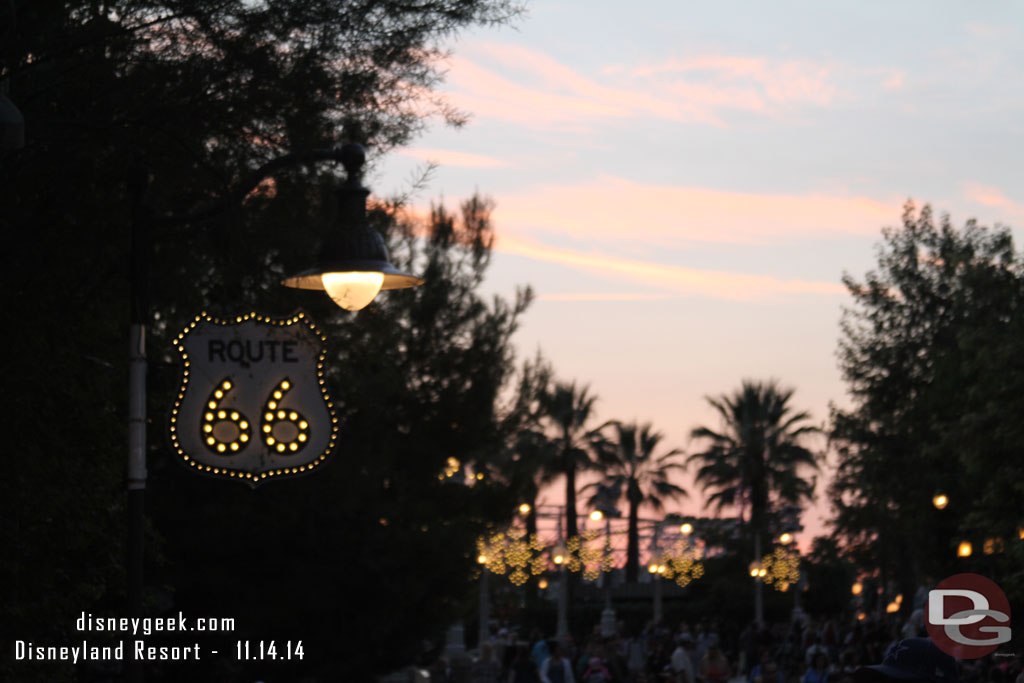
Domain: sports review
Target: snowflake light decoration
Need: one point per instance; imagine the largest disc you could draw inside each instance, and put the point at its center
(513, 553)
(682, 562)
(782, 568)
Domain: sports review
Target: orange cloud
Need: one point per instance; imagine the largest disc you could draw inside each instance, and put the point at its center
(675, 279)
(613, 209)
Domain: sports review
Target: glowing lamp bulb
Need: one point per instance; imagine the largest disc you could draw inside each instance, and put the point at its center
(686, 528)
(596, 515)
(652, 568)
(940, 501)
(964, 550)
(857, 588)
(354, 290)
(482, 559)
(559, 559)
(524, 508)
(785, 538)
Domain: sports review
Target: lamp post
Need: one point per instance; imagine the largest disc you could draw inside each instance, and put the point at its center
(353, 262)
(483, 628)
(653, 569)
(559, 554)
(604, 508)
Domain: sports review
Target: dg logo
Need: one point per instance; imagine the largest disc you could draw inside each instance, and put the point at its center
(968, 616)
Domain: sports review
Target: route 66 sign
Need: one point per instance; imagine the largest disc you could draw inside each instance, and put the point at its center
(252, 403)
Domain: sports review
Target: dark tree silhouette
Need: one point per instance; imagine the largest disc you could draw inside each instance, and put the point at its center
(632, 467)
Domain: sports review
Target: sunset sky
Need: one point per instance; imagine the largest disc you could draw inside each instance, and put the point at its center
(684, 184)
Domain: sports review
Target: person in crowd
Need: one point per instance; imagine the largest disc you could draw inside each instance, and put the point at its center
(556, 668)
(636, 656)
(818, 671)
(767, 671)
(681, 666)
(596, 671)
(714, 666)
(523, 668)
(487, 669)
(540, 650)
(658, 654)
(814, 647)
(914, 627)
(590, 650)
(911, 660)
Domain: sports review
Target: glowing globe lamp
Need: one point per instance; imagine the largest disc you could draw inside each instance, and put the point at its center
(353, 265)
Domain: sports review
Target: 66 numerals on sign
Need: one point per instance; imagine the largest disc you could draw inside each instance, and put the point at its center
(268, 649)
(226, 431)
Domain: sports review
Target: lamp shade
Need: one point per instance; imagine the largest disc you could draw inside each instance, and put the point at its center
(353, 265)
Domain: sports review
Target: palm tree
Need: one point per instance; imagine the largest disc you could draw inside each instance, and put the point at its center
(633, 470)
(757, 457)
(569, 408)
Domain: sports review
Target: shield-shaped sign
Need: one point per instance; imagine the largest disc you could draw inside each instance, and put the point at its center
(252, 404)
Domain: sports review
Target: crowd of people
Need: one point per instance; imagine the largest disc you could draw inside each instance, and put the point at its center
(707, 651)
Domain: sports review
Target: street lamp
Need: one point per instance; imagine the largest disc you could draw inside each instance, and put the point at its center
(558, 556)
(353, 265)
(940, 501)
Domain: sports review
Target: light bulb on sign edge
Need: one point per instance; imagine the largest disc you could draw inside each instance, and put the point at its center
(353, 290)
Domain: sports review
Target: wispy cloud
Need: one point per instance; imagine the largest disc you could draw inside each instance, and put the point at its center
(747, 82)
(604, 296)
(677, 280)
(611, 209)
(994, 197)
(558, 97)
(447, 157)
(513, 83)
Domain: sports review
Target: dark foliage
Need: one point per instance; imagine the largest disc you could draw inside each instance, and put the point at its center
(363, 561)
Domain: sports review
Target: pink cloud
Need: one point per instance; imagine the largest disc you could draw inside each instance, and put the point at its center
(554, 95)
(604, 296)
(513, 83)
(676, 279)
(991, 196)
(894, 81)
(447, 157)
(613, 209)
(757, 78)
